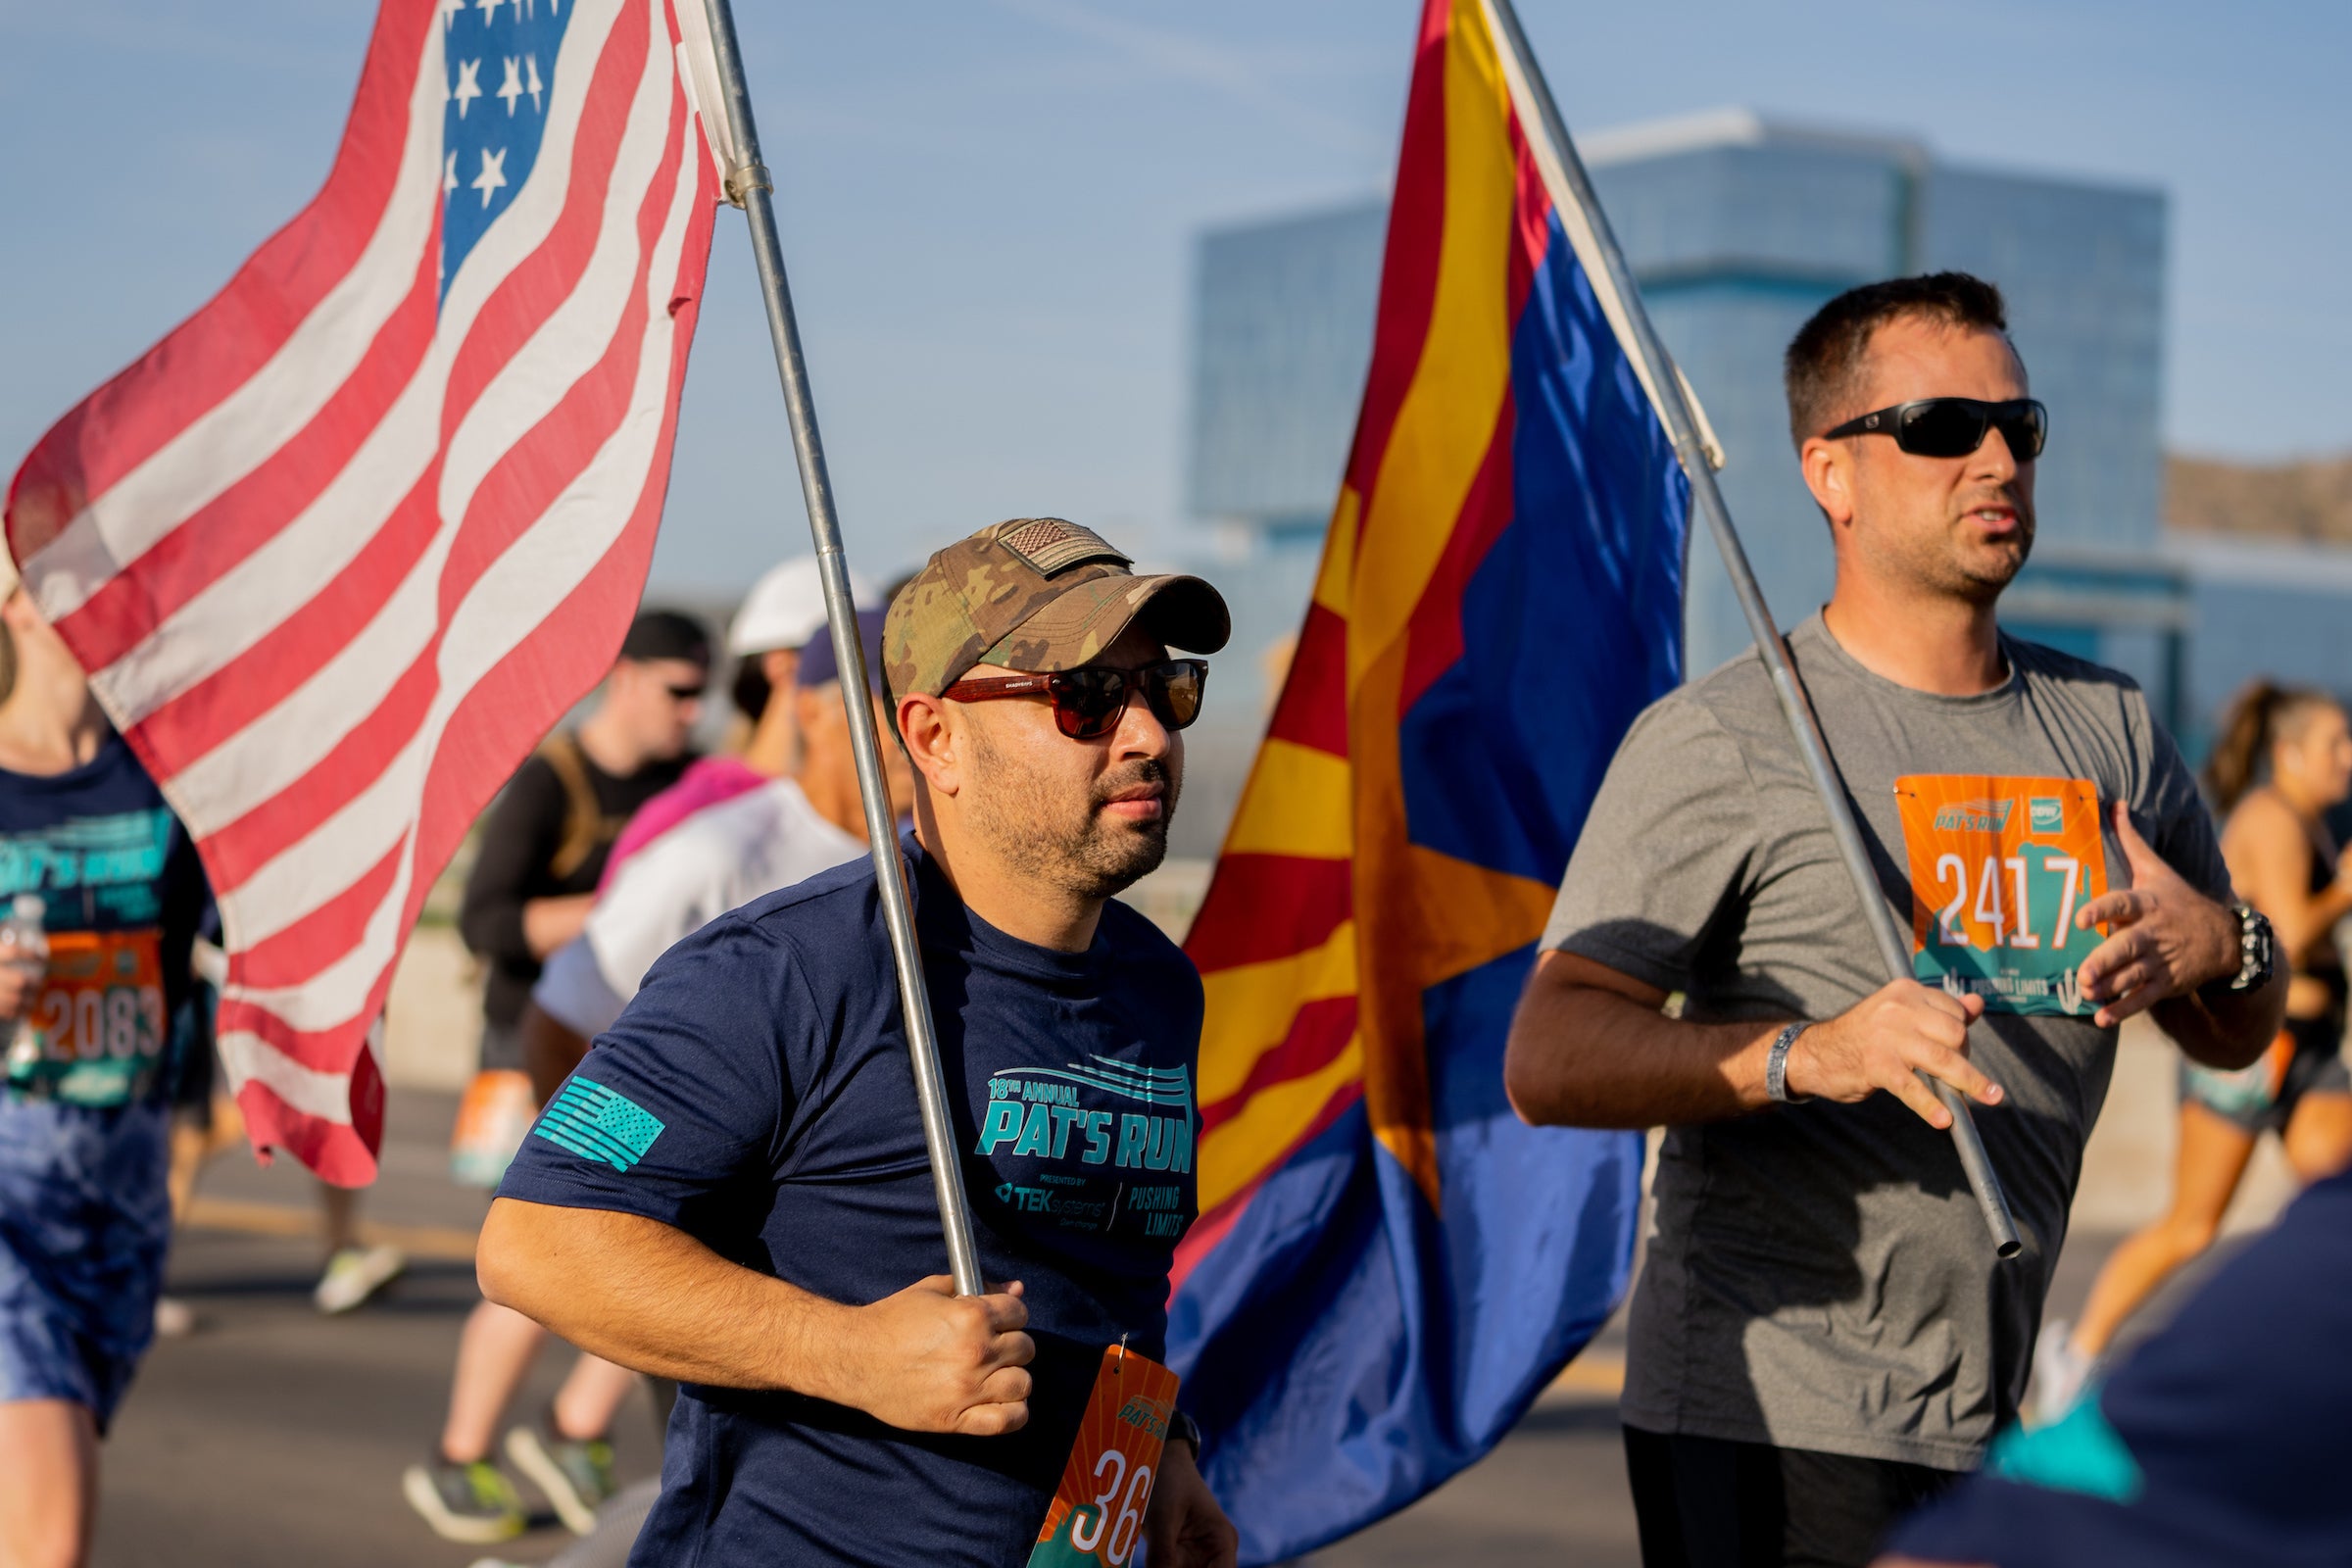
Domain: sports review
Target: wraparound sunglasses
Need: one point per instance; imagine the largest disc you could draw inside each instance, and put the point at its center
(1088, 700)
(1954, 427)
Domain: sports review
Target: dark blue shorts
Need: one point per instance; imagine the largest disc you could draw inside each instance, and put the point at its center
(85, 1221)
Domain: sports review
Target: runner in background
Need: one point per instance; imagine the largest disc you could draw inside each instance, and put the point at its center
(544, 846)
(784, 610)
(2283, 761)
(85, 1215)
(541, 849)
(807, 818)
(781, 831)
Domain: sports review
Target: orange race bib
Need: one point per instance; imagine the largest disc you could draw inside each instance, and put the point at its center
(1998, 867)
(1097, 1515)
(494, 1117)
(100, 1018)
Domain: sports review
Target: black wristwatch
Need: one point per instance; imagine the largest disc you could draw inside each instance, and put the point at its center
(1183, 1428)
(2259, 952)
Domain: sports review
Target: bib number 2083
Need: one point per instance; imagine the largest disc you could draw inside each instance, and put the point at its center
(1097, 1515)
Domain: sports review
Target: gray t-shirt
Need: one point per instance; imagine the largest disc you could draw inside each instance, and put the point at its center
(1817, 1275)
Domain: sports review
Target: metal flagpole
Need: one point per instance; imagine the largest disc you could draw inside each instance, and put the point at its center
(1683, 428)
(748, 186)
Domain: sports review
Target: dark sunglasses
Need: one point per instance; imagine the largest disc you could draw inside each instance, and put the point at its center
(685, 694)
(1088, 700)
(1954, 427)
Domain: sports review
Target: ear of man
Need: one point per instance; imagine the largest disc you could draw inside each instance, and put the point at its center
(1829, 469)
(933, 734)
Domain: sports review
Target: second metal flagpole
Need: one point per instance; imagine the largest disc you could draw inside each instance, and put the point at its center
(748, 185)
(1682, 429)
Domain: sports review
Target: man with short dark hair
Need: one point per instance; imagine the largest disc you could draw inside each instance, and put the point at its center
(544, 844)
(1822, 1334)
(803, 819)
(732, 1190)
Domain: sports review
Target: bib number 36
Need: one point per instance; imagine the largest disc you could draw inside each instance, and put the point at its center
(1097, 1515)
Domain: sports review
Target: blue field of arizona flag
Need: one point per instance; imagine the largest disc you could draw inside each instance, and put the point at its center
(347, 542)
(1388, 1266)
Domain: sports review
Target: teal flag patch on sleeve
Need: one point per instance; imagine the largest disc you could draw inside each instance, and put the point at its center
(593, 1122)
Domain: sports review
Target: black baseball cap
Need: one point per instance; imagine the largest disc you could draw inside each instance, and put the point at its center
(666, 634)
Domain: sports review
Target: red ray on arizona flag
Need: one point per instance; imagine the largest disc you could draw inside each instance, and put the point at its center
(341, 548)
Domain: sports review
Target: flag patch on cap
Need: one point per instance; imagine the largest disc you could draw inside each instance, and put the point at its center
(1055, 544)
(593, 1122)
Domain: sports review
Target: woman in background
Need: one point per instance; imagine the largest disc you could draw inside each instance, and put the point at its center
(2284, 758)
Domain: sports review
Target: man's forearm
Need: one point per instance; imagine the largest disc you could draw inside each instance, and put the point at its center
(2224, 1029)
(655, 1300)
(1583, 1055)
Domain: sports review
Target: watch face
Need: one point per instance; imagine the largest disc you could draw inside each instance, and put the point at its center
(2254, 933)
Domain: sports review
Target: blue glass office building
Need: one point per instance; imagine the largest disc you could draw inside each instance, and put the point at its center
(1738, 228)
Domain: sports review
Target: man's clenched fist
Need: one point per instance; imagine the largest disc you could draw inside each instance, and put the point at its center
(929, 1360)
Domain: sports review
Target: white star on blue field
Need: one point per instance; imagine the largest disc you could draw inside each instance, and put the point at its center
(502, 70)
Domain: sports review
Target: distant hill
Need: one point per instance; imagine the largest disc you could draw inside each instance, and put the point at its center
(2308, 500)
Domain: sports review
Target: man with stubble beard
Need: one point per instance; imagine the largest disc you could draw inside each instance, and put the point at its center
(732, 1189)
(1822, 1334)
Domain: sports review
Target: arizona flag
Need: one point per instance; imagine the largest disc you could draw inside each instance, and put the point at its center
(1388, 1266)
(341, 548)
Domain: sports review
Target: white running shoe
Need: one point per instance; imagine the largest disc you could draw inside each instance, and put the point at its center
(2059, 1372)
(174, 1319)
(355, 1274)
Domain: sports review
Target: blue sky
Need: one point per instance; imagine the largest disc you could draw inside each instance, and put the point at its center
(989, 203)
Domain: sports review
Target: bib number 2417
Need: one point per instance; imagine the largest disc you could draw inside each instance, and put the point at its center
(1097, 1515)
(1998, 867)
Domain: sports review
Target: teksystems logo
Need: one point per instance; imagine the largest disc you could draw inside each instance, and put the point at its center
(2045, 814)
(1975, 816)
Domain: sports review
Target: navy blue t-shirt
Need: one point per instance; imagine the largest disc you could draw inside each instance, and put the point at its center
(2223, 1439)
(757, 1095)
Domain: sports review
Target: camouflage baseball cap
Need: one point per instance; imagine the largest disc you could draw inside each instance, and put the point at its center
(1039, 593)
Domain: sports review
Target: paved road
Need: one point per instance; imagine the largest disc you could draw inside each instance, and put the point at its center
(274, 1436)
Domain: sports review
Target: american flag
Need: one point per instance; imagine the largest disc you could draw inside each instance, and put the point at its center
(342, 546)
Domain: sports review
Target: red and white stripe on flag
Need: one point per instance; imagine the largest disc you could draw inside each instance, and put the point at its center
(341, 548)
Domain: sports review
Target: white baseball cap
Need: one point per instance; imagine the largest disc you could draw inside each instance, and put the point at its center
(786, 607)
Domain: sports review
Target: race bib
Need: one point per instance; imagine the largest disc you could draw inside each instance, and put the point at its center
(494, 1117)
(99, 1019)
(1097, 1515)
(1998, 867)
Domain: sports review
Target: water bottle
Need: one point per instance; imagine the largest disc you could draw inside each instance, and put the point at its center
(24, 946)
